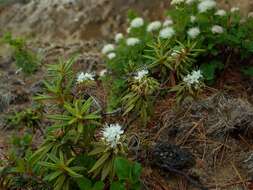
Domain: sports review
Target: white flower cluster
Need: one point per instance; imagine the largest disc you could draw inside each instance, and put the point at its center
(111, 55)
(193, 32)
(85, 77)
(167, 33)
(193, 19)
(132, 41)
(216, 29)
(137, 22)
(193, 78)
(118, 37)
(234, 9)
(141, 74)
(220, 12)
(111, 134)
(189, 2)
(167, 22)
(206, 5)
(177, 2)
(154, 26)
(102, 72)
(108, 50)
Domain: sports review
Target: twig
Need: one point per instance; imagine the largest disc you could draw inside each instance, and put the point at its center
(114, 112)
(184, 139)
(238, 174)
(227, 184)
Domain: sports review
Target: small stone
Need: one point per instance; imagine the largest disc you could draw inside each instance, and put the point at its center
(175, 158)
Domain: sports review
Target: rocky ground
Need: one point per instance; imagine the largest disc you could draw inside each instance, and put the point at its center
(222, 153)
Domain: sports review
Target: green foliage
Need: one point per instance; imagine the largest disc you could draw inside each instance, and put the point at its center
(59, 83)
(248, 71)
(79, 117)
(208, 40)
(30, 118)
(5, 2)
(139, 97)
(25, 59)
(61, 171)
(209, 70)
(18, 172)
(128, 174)
(106, 155)
(177, 60)
(87, 184)
(70, 157)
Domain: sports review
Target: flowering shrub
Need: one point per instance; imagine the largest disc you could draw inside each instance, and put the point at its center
(196, 35)
(70, 156)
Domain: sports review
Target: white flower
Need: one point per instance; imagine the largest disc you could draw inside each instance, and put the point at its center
(189, 2)
(102, 72)
(216, 29)
(234, 9)
(193, 32)
(250, 15)
(84, 77)
(111, 134)
(167, 32)
(141, 74)
(177, 2)
(118, 37)
(111, 55)
(193, 78)
(132, 41)
(167, 22)
(220, 12)
(128, 30)
(206, 5)
(193, 19)
(137, 22)
(108, 48)
(153, 26)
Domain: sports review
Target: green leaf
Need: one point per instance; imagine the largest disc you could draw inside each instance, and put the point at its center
(60, 183)
(116, 185)
(209, 69)
(49, 165)
(86, 106)
(136, 172)
(122, 168)
(99, 185)
(100, 162)
(97, 150)
(108, 166)
(52, 176)
(248, 71)
(84, 183)
(72, 173)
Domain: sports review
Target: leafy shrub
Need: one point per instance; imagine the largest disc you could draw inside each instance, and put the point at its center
(195, 36)
(25, 59)
(70, 157)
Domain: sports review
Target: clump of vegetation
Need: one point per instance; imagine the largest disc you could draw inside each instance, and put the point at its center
(25, 59)
(70, 156)
(4, 2)
(195, 44)
(28, 118)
